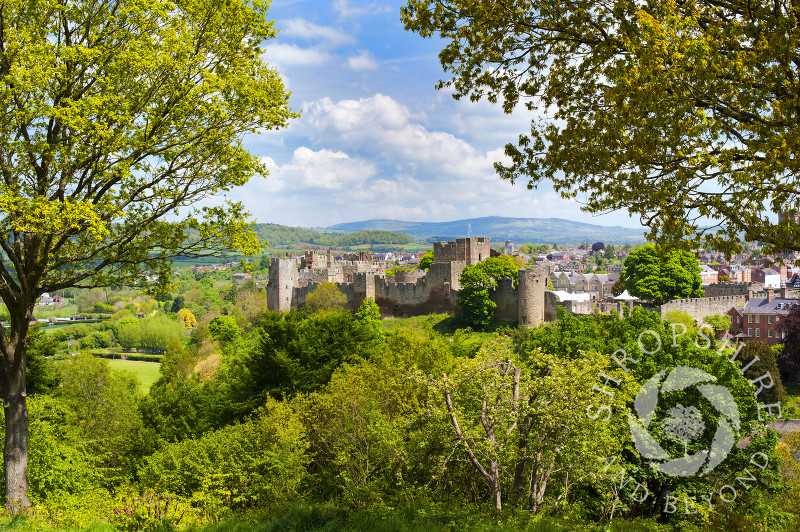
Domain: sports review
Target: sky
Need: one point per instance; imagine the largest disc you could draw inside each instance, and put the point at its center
(375, 138)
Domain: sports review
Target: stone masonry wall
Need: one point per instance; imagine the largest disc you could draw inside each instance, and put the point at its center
(731, 289)
(434, 292)
(699, 308)
(507, 300)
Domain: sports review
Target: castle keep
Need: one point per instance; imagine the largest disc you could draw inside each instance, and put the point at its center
(408, 293)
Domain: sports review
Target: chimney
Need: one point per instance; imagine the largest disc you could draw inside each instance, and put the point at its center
(784, 292)
(770, 295)
(749, 295)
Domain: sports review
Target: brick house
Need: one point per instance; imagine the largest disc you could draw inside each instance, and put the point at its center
(737, 320)
(769, 277)
(740, 274)
(708, 274)
(760, 316)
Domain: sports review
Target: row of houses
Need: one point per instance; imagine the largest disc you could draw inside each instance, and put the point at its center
(596, 285)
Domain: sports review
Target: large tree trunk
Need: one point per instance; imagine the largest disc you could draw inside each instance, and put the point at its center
(15, 408)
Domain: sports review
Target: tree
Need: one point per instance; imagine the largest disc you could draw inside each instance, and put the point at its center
(116, 116)
(369, 312)
(618, 287)
(299, 353)
(597, 246)
(223, 328)
(104, 402)
(326, 297)
(426, 260)
(668, 110)
(477, 283)
(527, 248)
(186, 318)
(41, 375)
(515, 423)
(663, 276)
(759, 359)
(719, 322)
(177, 304)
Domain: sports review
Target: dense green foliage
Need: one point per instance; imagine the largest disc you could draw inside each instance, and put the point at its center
(662, 276)
(426, 260)
(330, 420)
(119, 119)
(326, 297)
(151, 333)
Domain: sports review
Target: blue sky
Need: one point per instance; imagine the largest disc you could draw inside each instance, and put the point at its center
(375, 139)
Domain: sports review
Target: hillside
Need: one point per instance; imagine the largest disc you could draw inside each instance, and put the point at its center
(498, 228)
(282, 235)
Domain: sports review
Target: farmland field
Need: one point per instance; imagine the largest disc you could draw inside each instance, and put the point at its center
(148, 372)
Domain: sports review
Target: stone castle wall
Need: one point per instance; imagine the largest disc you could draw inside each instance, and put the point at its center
(701, 307)
(409, 293)
(731, 289)
(506, 297)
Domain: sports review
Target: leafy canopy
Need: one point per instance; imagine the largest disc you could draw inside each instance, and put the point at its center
(660, 277)
(326, 297)
(117, 115)
(118, 119)
(679, 112)
(426, 260)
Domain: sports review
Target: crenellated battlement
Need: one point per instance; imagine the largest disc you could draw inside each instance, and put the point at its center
(408, 293)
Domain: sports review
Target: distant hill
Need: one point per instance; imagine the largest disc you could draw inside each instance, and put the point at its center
(282, 235)
(499, 228)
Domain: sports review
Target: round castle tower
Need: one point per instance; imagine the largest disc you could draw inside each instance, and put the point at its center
(532, 285)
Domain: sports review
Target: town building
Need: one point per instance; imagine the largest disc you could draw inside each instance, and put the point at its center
(767, 276)
(760, 317)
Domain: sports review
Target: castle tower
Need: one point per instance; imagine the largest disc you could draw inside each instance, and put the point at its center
(363, 288)
(532, 285)
(282, 280)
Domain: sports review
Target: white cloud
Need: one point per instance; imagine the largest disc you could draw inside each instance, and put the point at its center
(347, 10)
(376, 158)
(290, 54)
(379, 126)
(298, 28)
(323, 169)
(363, 61)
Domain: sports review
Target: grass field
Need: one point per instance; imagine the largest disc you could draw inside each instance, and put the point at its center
(148, 372)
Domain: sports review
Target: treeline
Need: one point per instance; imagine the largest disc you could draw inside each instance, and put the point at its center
(281, 235)
(253, 415)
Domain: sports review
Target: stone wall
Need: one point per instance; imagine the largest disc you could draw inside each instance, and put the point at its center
(282, 280)
(699, 308)
(531, 302)
(506, 297)
(731, 289)
(552, 302)
(434, 292)
(785, 426)
(410, 276)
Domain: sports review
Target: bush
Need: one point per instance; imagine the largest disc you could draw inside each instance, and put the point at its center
(259, 462)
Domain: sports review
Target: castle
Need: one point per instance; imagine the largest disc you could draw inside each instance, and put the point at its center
(410, 293)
